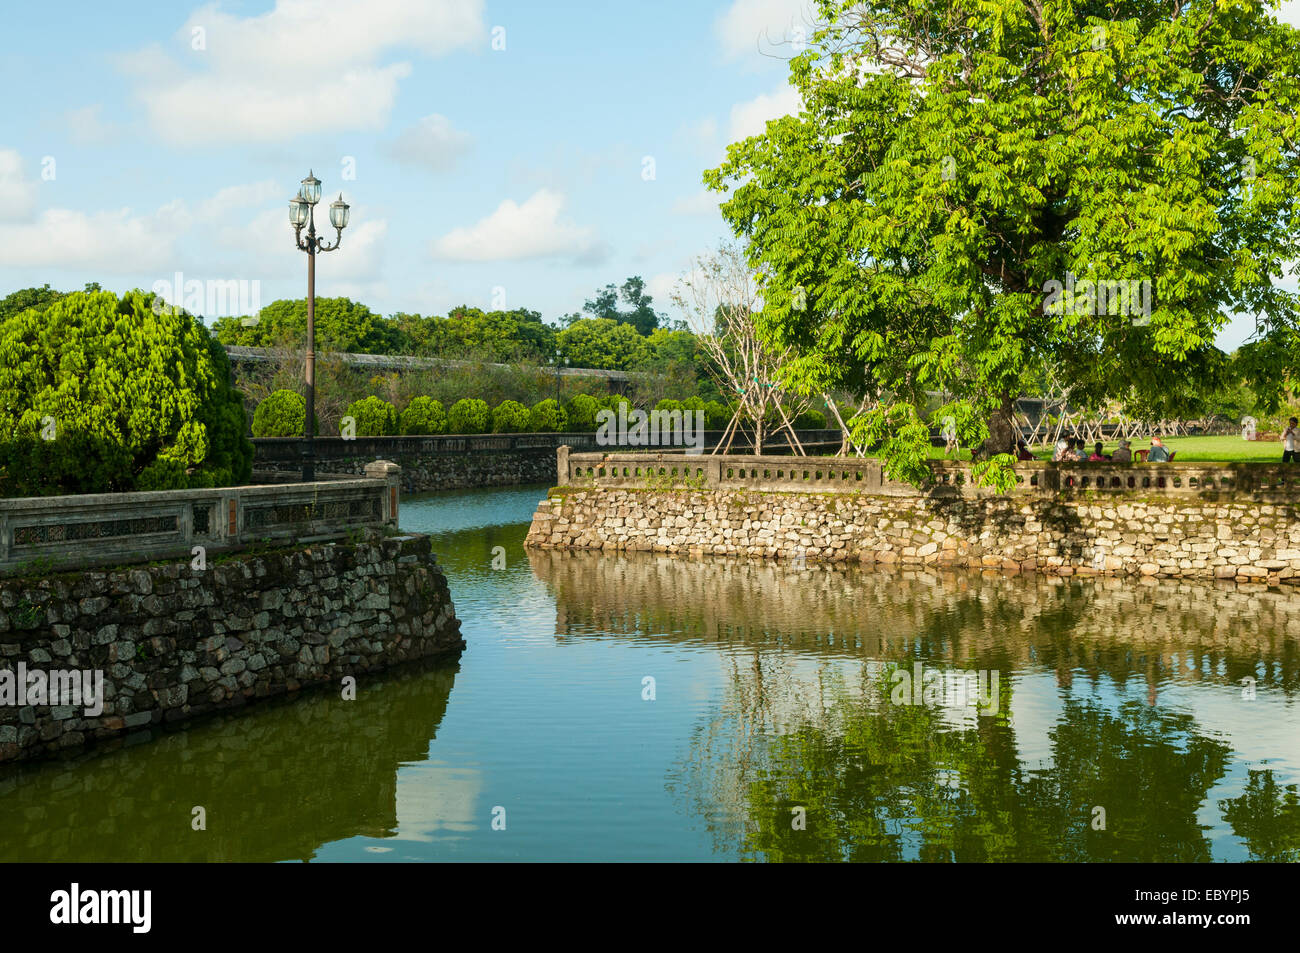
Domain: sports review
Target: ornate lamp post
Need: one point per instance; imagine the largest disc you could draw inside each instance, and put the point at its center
(302, 211)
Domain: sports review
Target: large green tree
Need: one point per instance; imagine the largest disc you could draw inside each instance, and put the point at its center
(954, 158)
(601, 342)
(641, 313)
(99, 394)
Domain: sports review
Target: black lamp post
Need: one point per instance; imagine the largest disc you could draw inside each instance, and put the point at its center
(302, 211)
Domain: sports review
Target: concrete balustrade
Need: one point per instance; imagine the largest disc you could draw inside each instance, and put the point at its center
(1264, 481)
(70, 532)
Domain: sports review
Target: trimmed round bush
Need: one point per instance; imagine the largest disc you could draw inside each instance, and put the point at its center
(103, 395)
(510, 416)
(810, 420)
(581, 413)
(469, 415)
(547, 416)
(423, 415)
(716, 415)
(281, 414)
(375, 417)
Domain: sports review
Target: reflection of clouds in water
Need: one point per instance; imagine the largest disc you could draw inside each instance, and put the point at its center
(434, 798)
(1036, 709)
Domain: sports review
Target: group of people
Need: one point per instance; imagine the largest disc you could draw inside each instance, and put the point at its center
(1073, 450)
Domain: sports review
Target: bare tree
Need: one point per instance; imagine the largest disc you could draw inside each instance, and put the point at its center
(721, 300)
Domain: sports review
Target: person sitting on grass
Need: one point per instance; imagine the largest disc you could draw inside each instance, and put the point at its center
(1096, 456)
(1062, 453)
(1123, 453)
(1291, 442)
(1023, 452)
(1158, 452)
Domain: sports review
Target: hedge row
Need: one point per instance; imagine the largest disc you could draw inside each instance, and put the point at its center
(282, 414)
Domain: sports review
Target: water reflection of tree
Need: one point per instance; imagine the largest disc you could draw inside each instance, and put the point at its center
(1267, 817)
(802, 721)
(882, 782)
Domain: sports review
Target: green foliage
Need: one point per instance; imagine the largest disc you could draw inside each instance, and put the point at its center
(601, 342)
(424, 415)
(668, 404)
(580, 413)
(641, 315)
(99, 394)
(510, 416)
(18, 302)
(341, 325)
(374, 416)
(469, 415)
(810, 420)
(910, 220)
(281, 414)
(547, 416)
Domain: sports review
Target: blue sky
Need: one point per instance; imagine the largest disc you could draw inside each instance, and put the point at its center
(142, 139)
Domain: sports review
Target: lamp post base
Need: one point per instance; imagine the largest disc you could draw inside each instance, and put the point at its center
(308, 466)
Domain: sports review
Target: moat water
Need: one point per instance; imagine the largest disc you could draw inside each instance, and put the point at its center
(651, 708)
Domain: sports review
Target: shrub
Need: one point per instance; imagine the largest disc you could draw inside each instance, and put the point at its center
(99, 395)
(375, 417)
(581, 413)
(668, 405)
(810, 420)
(469, 415)
(614, 401)
(547, 416)
(716, 415)
(510, 416)
(281, 414)
(424, 415)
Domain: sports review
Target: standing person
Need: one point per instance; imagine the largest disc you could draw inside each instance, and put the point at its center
(1159, 453)
(1291, 441)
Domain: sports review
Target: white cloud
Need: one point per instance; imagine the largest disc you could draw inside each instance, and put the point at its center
(116, 242)
(301, 67)
(120, 241)
(87, 128)
(432, 143)
(17, 192)
(267, 241)
(661, 287)
(751, 26)
(750, 118)
(520, 231)
(703, 202)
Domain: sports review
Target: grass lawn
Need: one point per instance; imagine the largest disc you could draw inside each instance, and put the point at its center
(1230, 448)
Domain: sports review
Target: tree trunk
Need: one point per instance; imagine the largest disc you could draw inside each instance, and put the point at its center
(1003, 433)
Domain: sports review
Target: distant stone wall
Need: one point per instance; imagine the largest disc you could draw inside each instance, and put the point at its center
(174, 642)
(1169, 537)
(454, 461)
(448, 471)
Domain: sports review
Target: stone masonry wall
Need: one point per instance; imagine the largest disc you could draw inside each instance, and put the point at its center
(445, 471)
(174, 642)
(1243, 541)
